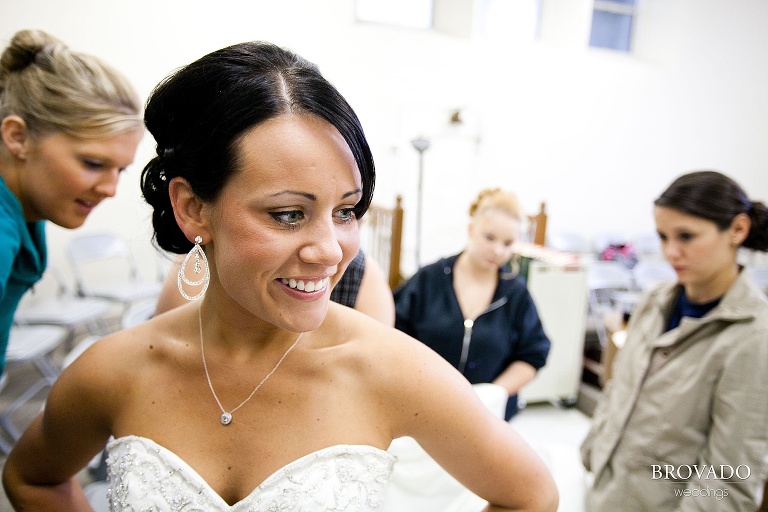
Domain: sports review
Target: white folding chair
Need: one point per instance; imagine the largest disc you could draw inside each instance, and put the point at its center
(647, 245)
(759, 276)
(569, 242)
(104, 267)
(65, 308)
(138, 313)
(605, 280)
(5, 447)
(608, 275)
(647, 273)
(96, 493)
(31, 344)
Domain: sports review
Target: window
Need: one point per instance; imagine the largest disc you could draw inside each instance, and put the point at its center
(612, 24)
(402, 13)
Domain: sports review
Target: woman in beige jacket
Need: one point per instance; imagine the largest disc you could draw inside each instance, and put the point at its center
(683, 424)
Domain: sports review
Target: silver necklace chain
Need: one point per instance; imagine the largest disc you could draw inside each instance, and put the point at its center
(226, 417)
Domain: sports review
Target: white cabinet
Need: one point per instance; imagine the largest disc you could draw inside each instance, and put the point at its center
(560, 294)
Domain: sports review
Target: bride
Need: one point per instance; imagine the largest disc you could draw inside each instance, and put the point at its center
(262, 395)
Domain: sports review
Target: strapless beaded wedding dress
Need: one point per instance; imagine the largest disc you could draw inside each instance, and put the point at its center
(146, 477)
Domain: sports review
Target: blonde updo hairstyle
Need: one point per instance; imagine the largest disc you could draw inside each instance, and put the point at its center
(57, 90)
(496, 199)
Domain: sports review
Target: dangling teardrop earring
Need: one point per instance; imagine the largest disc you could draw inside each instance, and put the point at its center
(197, 251)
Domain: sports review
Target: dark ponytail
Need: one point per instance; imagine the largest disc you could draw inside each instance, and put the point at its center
(715, 197)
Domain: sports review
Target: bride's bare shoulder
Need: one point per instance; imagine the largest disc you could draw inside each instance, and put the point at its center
(350, 325)
(133, 349)
(381, 347)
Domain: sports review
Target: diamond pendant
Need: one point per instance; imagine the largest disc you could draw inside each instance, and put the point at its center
(226, 418)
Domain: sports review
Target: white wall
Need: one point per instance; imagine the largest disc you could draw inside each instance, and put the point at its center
(597, 135)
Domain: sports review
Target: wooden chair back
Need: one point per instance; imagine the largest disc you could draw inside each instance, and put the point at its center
(381, 238)
(537, 226)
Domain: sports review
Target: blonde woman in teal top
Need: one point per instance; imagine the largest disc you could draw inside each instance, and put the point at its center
(22, 258)
(69, 125)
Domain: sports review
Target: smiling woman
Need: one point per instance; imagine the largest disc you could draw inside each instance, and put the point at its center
(309, 219)
(69, 125)
(261, 394)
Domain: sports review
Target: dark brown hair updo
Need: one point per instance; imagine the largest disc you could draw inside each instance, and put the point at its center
(199, 114)
(715, 197)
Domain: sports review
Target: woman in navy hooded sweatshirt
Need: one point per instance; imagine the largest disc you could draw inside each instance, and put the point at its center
(471, 308)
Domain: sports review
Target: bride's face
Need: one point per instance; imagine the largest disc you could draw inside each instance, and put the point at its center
(284, 229)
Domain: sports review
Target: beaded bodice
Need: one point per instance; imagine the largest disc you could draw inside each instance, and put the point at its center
(146, 477)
